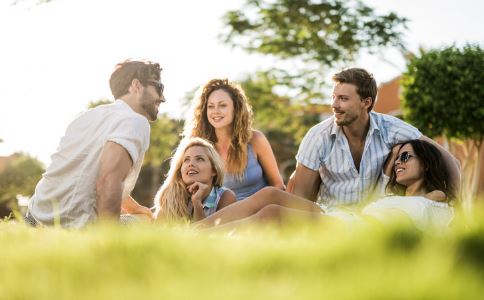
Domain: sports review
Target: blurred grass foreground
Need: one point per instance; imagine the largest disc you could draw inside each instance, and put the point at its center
(302, 261)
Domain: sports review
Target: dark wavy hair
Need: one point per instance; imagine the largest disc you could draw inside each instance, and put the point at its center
(436, 175)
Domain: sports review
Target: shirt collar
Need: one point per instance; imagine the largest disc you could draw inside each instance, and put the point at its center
(373, 123)
(210, 201)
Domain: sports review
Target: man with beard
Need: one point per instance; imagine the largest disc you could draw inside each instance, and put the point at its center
(98, 160)
(341, 158)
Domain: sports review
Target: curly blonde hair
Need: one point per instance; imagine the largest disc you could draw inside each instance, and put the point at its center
(199, 125)
(171, 200)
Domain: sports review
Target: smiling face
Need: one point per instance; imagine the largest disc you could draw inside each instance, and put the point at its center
(408, 168)
(220, 109)
(347, 104)
(196, 166)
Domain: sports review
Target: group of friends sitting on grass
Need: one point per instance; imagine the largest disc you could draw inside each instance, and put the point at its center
(355, 166)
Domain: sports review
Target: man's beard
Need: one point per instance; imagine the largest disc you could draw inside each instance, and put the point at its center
(347, 120)
(148, 103)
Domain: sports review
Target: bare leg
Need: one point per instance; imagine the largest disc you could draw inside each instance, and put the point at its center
(253, 204)
(272, 214)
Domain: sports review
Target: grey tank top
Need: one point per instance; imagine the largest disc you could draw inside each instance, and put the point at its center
(252, 181)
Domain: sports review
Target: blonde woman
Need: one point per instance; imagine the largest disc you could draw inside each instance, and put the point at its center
(193, 188)
(222, 115)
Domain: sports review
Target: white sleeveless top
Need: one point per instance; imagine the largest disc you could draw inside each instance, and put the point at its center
(424, 213)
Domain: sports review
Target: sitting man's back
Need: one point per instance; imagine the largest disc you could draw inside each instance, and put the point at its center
(99, 158)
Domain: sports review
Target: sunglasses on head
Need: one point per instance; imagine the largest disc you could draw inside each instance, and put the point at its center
(158, 86)
(404, 157)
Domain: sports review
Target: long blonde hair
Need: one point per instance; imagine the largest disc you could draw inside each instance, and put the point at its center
(171, 200)
(199, 125)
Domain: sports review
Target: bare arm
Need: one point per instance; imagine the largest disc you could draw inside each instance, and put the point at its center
(199, 191)
(130, 206)
(390, 161)
(306, 182)
(452, 164)
(228, 197)
(436, 195)
(267, 160)
(115, 166)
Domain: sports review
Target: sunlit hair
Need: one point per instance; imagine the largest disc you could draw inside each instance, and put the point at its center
(126, 71)
(364, 82)
(171, 200)
(435, 175)
(199, 126)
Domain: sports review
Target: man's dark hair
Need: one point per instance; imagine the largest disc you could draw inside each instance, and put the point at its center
(127, 70)
(364, 82)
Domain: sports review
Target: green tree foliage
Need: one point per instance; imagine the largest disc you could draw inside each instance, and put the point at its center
(321, 31)
(98, 102)
(20, 176)
(443, 96)
(283, 121)
(314, 35)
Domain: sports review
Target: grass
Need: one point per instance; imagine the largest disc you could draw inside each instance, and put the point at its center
(302, 261)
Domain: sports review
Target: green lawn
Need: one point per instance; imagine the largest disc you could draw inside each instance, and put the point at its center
(302, 261)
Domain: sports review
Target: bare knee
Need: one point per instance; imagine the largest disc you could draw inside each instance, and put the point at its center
(271, 212)
(272, 193)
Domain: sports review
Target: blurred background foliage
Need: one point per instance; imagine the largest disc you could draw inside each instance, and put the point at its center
(19, 174)
(443, 96)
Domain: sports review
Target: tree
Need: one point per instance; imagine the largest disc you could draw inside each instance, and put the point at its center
(443, 96)
(274, 114)
(20, 176)
(317, 34)
(98, 102)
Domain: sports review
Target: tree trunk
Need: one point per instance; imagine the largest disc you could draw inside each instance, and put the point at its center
(471, 167)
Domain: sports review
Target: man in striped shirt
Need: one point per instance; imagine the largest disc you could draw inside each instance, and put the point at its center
(341, 158)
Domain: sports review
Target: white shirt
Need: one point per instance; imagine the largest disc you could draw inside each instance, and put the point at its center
(67, 191)
(424, 213)
(325, 149)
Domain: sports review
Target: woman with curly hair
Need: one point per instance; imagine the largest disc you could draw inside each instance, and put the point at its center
(222, 115)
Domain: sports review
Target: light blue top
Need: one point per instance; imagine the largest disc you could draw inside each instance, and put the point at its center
(252, 181)
(325, 149)
(210, 204)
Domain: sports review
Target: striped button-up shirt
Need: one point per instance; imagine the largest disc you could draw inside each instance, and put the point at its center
(326, 149)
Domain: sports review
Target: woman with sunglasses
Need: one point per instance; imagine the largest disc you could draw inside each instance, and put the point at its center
(418, 190)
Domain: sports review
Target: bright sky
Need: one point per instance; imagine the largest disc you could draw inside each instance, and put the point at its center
(57, 57)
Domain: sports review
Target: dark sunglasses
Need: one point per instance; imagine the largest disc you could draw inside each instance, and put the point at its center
(158, 86)
(404, 157)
